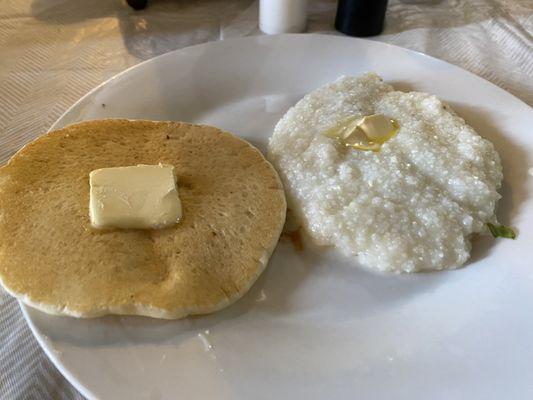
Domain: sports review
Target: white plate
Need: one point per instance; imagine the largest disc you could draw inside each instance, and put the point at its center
(316, 326)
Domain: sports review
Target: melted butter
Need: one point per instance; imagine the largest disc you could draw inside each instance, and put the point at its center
(367, 133)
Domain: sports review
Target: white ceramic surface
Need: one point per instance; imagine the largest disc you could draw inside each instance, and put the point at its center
(316, 326)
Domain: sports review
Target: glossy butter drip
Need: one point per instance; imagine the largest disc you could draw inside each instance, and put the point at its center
(367, 133)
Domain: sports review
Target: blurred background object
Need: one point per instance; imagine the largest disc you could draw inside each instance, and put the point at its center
(360, 17)
(137, 4)
(282, 16)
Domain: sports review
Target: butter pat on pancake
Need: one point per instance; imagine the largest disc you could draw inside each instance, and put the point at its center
(53, 259)
(138, 196)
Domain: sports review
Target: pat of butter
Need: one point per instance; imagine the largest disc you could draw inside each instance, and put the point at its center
(366, 133)
(136, 197)
(377, 127)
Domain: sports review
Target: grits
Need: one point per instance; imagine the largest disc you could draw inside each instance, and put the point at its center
(412, 206)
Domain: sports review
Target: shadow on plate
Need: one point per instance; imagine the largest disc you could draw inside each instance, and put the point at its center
(334, 288)
(514, 160)
(515, 166)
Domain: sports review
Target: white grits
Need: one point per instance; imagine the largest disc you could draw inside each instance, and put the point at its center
(411, 207)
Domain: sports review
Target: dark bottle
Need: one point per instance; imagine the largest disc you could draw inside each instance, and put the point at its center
(137, 4)
(360, 17)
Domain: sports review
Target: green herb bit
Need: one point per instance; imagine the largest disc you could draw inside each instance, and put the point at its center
(501, 231)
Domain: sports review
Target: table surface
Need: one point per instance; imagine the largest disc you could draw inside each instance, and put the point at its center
(53, 51)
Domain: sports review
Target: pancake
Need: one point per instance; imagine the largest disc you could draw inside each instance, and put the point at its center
(412, 206)
(52, 259)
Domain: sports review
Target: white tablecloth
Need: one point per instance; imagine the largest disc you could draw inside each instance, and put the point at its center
(54, 51)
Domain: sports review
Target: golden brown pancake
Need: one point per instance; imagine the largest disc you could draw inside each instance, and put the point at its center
(52, 259)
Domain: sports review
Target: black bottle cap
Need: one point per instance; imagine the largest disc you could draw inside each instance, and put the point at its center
(360, 17)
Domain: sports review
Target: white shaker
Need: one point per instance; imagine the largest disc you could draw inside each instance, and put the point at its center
(282, 16)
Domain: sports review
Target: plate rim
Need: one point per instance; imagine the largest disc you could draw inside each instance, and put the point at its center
(58, 121)
(48, 350)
